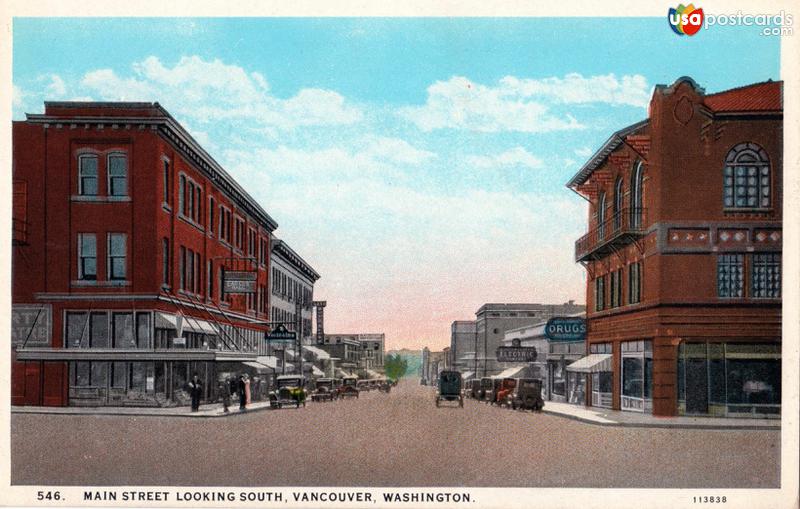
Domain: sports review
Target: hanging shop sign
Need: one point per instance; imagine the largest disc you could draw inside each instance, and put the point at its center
(281, 333)
(516, 353)
(239, 281)
(565, 329)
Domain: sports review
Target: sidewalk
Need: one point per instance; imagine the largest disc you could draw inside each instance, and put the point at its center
(206, 411)
(608, 417)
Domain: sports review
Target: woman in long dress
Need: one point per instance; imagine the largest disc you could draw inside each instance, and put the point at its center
(247, 389)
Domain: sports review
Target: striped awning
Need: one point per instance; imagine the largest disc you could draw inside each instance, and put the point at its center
(593, 363)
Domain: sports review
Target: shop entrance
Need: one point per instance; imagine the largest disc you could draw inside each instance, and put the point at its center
(696, 386)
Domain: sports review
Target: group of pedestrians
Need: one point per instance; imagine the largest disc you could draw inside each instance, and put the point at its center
(228, 388)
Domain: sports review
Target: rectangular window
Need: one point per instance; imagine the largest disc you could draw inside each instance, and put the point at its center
(221, 275)
(616, 288)
(599, 293)
(87, 175)
(98, 331)
(87, 256)
(117, 175)
(143, 331)
(198, 275)
(118, 375)
(182, 195)
(123, 330)
(189, 270)
(730, 276)
(165, 261)
(634, 283)
(116, 256)
(209, 279)
(182, 268)
(198, 210)
(211, 209)
(77, 330)
(167, 179)
(766, 280)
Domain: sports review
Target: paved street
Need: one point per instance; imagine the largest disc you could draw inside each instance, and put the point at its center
(399, 439)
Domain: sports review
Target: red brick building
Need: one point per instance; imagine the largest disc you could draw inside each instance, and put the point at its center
(683, 255)
(123, 229)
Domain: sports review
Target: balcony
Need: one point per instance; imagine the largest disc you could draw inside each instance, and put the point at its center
(620, 229)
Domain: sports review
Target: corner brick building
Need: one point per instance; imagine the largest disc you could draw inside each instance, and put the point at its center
(683, 256)
(124, 227)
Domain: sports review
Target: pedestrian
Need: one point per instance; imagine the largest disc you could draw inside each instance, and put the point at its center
(195, 391)
(242, 395)
(226, 394)
(247, 388)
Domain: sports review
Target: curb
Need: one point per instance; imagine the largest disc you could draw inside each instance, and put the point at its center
(665, 425)
(110, 412)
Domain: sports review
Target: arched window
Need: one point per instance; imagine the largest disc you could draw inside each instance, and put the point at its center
(87, 175)
(617, 203)
(601, 216)
(746, 178)
(637, 178)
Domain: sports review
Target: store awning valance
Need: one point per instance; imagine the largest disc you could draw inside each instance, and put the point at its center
(166, 321)
(260, 368)
(317, 372)
(319, 353)
(467, 375)
(515, 372)
(268, 360)
(593, 363)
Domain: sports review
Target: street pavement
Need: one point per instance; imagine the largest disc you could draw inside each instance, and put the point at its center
(383, 440)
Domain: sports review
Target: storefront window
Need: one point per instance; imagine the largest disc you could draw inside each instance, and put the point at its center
(637, 372)
(143, 334)
(123, 330)
(99, 330)
(559, 383)
(753, 382)
(77, 330)
(118, 375)
(632, 377)
(577, 388)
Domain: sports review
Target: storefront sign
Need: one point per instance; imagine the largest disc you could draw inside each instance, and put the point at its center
(180, 340)
(516, 354)
(239, 281)
(150, 383)
(281, 333)
(31, 325)
(565, 329)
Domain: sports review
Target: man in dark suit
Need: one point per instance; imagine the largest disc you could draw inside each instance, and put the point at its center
(195, 391)
(242, 394)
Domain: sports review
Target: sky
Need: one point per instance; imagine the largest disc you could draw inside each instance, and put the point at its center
(419, 165)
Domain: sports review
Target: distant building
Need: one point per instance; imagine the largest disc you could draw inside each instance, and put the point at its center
(362, 354)
(463, 340)
(292, 284)
(493, 320)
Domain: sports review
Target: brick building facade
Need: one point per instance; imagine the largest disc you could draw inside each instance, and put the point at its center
(683, 255)
(124, 228)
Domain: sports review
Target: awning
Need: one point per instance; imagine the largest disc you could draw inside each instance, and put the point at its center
(317, 372)
(593, 363)
(467, 375)
(268, 360)
(342, 373)
(260, 368)
(319, 353)
(373, 374)
(511, 372)
(192, 324)
(166, 321)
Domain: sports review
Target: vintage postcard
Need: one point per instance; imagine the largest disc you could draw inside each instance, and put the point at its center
(407, 256)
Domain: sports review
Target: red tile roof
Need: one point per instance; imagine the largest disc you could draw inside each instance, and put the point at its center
(766, 96)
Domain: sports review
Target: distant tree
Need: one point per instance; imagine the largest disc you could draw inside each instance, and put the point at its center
(395, 366)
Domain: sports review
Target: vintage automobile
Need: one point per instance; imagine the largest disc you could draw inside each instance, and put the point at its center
(363, 385)
(290, 390)
(485, 385)
(324, 390)
(507, 385)
(349, 387)
(449, 388)
(491, 392)
(471, 388)
(385, 385)
(527, 394)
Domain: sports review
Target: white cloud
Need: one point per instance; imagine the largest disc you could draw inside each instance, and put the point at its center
(518, 104)
(632, 90)
(212, 91)
(462, 104)
(584, 152)
(56, 87)
(16, 96)
(516, 157)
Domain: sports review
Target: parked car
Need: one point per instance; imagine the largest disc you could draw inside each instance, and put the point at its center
(490, 395)
(527, 394)
(506, 386)
(385, 385)
(349, 387)
(290, 390)
(449, 388)
(324, 390)
(485, 385)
